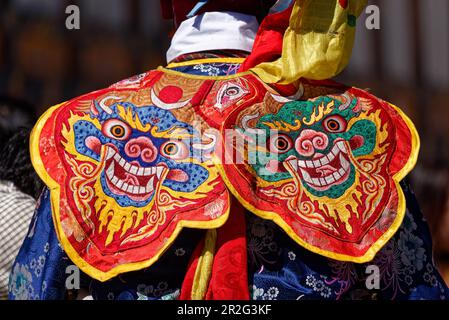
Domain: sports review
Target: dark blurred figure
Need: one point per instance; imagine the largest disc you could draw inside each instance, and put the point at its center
(19, 183)
(16, 166)
(14, 114)
(442, 236)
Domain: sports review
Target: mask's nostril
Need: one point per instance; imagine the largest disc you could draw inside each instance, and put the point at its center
(310, 141)
(141, 147)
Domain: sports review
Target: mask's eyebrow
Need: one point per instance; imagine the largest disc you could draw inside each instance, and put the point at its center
(283, 126)
(131, 117)
(174, 133)
(319, 113)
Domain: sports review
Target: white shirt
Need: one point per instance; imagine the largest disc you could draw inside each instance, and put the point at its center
(214, 31)
(16, 211)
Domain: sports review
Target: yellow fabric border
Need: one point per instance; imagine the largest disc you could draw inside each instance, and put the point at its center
(204, 61)
(371, 253)
(71, 252)
(203, 270)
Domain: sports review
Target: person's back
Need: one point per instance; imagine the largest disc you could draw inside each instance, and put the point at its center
(132, 184)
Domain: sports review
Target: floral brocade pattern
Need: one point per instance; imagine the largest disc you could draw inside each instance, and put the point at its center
(278, 268)
(209, 69)
(39, 272)
(406, 268)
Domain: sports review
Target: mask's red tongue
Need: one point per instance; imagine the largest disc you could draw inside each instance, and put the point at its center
(131, 179)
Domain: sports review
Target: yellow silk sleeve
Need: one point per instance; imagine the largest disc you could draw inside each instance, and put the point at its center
(318, 42)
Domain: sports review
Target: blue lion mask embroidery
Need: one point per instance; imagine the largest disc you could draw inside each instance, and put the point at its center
(146, 147)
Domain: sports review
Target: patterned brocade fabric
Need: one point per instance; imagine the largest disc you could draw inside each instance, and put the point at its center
(280, 270)
(209, 69)
(39, 272)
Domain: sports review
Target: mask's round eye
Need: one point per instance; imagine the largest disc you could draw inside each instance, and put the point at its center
(335, 124)
(176, 150)
(116, 129)
(232, 91)
(280, 143)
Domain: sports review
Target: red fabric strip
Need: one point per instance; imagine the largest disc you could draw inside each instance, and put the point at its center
(187, 285)
(229, 279)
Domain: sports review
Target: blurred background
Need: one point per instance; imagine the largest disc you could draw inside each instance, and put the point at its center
(405, 62)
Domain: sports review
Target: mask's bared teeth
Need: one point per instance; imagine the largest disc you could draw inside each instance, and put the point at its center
(309, 164)
(114, 180)
(325, 160)
(134, 170)
(329, 179)
(135, 190)
(344, 163)
(148, 171)
(306, 176)
(150, 185)
(120, 184)
(341, 145)
(159, 171)
(315, 164)
(110, 171)
(336, 175)
(294, 164)
(125, 187)
(333, 153)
